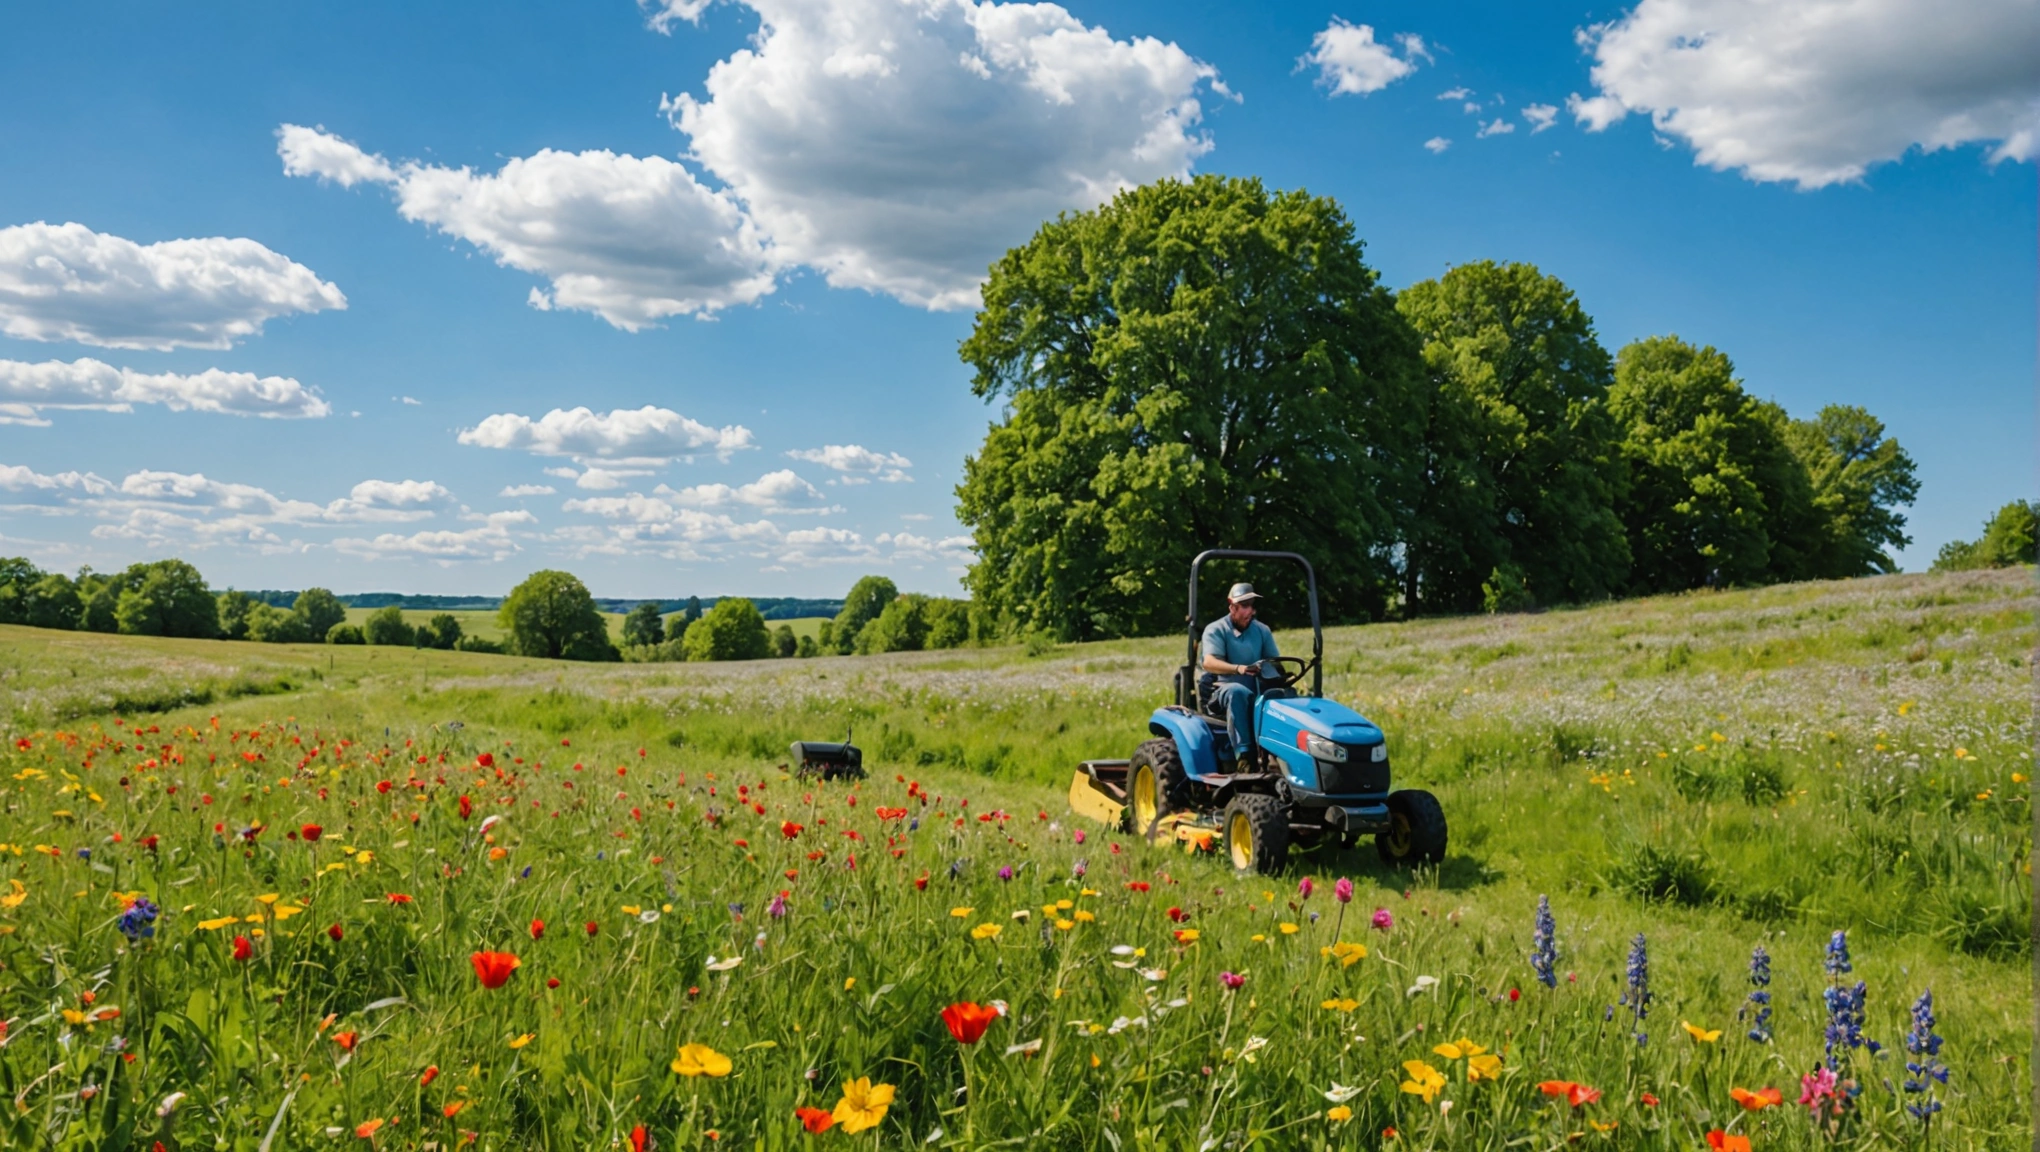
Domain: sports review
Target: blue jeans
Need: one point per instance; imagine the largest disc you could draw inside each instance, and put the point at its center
(1234, 695)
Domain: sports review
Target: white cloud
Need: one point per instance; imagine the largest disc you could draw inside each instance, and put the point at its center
(517, 490)
(410, 401)
(607, 479)
(1816, 92)
(781, 490)
(1539, 116)
(860, 464)
(632, 239)
(391, 500)
(808, 546)
(641, 435)
(661, 15)
(1351, 62)
(26, 389)
(1455, 94)
(442, 547)
(24, 485)
(67, 282)
(901, 147)
(912, 548)
(1496, 127)
(1437, 144)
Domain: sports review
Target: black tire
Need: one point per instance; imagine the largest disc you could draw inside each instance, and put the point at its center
(1172, 792)
(1416, 831)
(1256, 834)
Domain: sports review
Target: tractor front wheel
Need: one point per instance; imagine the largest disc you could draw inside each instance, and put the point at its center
(1154, 785)
(1416, 829)
(1256, 834)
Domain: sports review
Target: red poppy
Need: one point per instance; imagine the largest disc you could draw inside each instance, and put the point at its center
(552, 982)
(921, 882)
(243, 949)
(1649, 1101)
(453, 1109)
(383, 786)
(537, 929)
(967, 1021)
(1515, 994)
(399, 898)
(789, 829)
(1756, 1101)
(467, 807)
(430, 1074)
(593, 927)
(346, 1039)
(1723, 1142)
(486, 760)
(1178, 915)
(493, 969)
(336, 932)
(312, 832)
(816, 1120)
(1135, 885)
(1575, 1094)
(638, 1139)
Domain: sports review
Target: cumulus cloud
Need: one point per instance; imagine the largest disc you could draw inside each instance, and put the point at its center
(858, 464)
(27, 389)
(661, 15)
(1539, 116)
(647, 435)
(900, 148)
(518, 490)
(1437, 144)
(1455, 94)
(443, 547)
(24, 485)
(67, 282)
(1817, 92)
(781, 490)
(1351, 62)
(633, 239)
(1496, 127)
(911, 548)
(391, 500)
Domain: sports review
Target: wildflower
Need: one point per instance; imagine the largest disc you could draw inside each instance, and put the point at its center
(639, 1138)
(467, 807)
(396, 897)
(1232, 980)
(522, 1040)
(1303, 888)
(1340, 1093)
(1573, 1094)
(863, 1105)
(1288, 929)
(1759, 999)
(169, 1105)
(1845, 1021)
(815, 1120)
(1817, 1090)
(1515, 994)
(986, 931)
(701, 1060)
(1636, 995)
(1178, 915)
(1342, 890)
(1347, 954)
(1383, 919)
(244, 950)
(789, 829)
(1424, 984)
(1837, 962)
(1726, 1142)
(967, 1021)
(1485, 1067)
(1346, 1005)
(1925, 1067)
(138, 919)
(346, 1040)
(367, 1129)
(777, 908)
(1005, 872)
(1756, 1101)
(426, 1078)
(593, 927)
(960, 913)
(1648, 1100)
(493, 969)
(537, 929)
(335, 932)
(1543, 944)
(1137, 885)
(1339, 1114)
(311, 833)
(1700, 1035)
(1424, 1081)
(1186, 935)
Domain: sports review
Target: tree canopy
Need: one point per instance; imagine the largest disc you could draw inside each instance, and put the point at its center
(732, 630)
(1195, 364)
(2009, 537)
(865, 600)
(552, 615)
(644, 625)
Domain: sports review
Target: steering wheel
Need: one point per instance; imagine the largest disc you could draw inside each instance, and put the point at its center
(1286, 679)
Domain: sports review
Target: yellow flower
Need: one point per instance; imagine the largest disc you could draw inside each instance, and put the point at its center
(1347, 954)
(986, 931)
(73, 1016)
(701, 1060)
(849, 983)
(960, 913)
(1082, 916)
(1339, 1115)
(1699, 1034)
(267, 898)
(1090, 892)
(1289, 929)
(1340, 1005)
(286, 911)
(524, 1039)
(1480, 1068)
(1065, 925)
(219, 923)
(1187, 935)
(2018, 777)
(863, 1105)
(631, 909)
(1462, 1048)
(1258, 938)
(13, 899)
(1424, 1081)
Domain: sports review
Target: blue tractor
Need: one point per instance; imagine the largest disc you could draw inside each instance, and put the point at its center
(1311, 771)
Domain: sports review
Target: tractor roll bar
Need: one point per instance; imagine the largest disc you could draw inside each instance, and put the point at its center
(1317, 632)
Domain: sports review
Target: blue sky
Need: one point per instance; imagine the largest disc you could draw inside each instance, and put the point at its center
(1862, 231)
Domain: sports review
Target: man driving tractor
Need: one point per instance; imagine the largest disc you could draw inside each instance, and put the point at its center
(1235, 646)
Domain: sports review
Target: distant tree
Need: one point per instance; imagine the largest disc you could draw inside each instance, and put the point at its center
(443, 632)
(1195, 364)
(551, 615)
(345, 634)
(165, 598)
(693, 611)
(1860, 477)
(268, 624)
(1715, 496)
(806, 647)
(644, 626)
(100, 595)
(18, 579)
(866, 599)
(948, 623)
(901, 627)
(1519, 449)
(732, 630)
(825, 636)
(386, 625)
(319, 609)
(784, 643)
(234, 607)
(54, 603)
(478, 644)
(2008, 538)
(134, 614)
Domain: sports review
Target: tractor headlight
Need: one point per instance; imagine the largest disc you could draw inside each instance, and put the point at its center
(1378, 753)
(1320, 747)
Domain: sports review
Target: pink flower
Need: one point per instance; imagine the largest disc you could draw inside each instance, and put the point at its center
(1383, 919)
(1232, 979)
(1818, 1089)
(1080, 836)
(1303, 888)
(1343, 891)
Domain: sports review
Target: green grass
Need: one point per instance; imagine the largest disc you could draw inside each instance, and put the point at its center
(487, 626)
(1716, 771)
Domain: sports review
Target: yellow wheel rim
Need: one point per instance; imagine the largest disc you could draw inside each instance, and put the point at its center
(1144, 806)
(1239, 836)
(1399, 836)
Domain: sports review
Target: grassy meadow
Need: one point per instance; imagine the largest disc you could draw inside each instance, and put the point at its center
(712, 954)
(488, 625)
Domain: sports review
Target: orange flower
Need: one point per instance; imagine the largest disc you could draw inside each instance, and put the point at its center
(346, 1040)
(1723, 1142)
(1756, 1101)
(429, 1075)
(816, 1120)
(967, 1021)
(453, 1109)
(368, 1128)
(493, 969)
(1574, 1094)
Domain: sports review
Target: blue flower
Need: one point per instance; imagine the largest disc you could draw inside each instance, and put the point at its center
(1543, 944)
(1636, 995)
(1838, 953)
(1925, 1067)
(1758, 1002)
(138, 920)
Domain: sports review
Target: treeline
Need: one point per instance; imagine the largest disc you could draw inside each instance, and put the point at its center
(771, 607)
(2011, 536)
(1206, 364)
(875, 617)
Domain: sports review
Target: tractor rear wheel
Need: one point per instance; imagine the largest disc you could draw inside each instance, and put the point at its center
(1256, 834)
(1154, 785)
(1416, 829)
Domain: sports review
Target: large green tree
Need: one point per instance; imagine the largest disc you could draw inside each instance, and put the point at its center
(2009, 537)
(320, 610)
(165, 598)
(1860, 478)
(732, 630)
(552, 615)
(1521, 469)
(1194, 365)
(861, 605)
(644, 626)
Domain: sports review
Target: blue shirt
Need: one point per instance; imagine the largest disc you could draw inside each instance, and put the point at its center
(1254, 644)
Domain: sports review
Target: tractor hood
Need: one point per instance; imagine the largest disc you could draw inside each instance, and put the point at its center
(1283, 718)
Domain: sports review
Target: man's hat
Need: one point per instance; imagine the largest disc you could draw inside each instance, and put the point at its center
(1242, 593)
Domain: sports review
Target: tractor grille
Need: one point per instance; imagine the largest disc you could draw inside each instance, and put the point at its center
(1352, 778)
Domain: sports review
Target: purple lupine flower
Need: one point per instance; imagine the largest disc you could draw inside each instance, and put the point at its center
(1844, 1005)
(1925, 1067)
(138, 919)
(1636, 994)
(1837, 962)
(1758, 1002)
(1544, 945)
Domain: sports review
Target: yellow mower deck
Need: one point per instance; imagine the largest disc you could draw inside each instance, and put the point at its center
(1098, 792)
